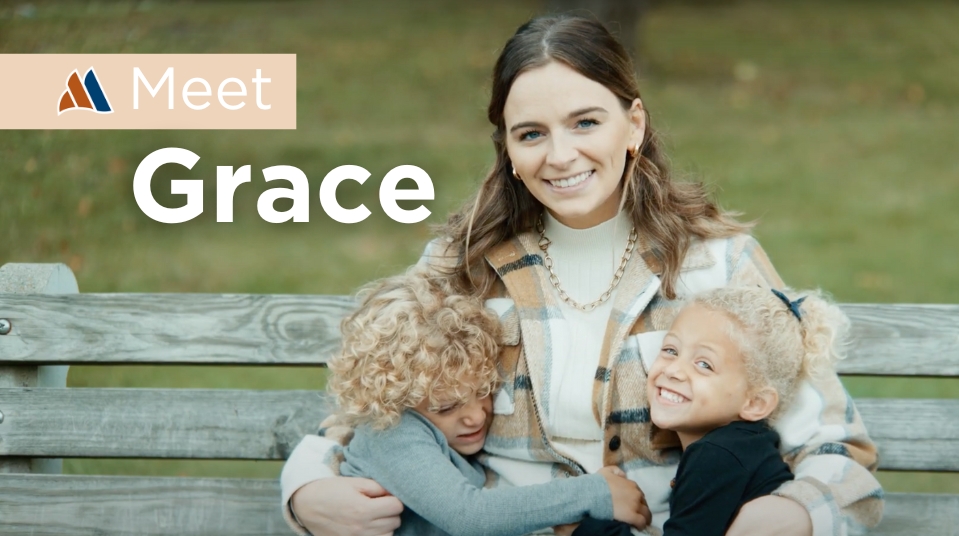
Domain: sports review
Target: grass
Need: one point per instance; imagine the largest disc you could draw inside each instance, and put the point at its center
(832, 123)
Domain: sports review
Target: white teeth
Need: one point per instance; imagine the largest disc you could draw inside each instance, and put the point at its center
(572, 181)
(671, 396)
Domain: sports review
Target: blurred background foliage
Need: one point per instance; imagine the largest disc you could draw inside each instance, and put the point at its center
(832, 123)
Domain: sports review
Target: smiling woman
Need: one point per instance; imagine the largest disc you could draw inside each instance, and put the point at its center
(569, 144)
(579, 236)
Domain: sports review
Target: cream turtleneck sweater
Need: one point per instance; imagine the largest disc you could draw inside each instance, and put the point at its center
(585, 261)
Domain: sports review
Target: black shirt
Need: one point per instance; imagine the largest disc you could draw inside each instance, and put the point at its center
(724, 470)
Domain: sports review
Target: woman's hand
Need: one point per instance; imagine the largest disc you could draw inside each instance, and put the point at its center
(343, 506)
(565, 530)
(629, 502)
(769, 516)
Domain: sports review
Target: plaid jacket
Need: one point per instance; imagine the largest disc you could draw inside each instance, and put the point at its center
(823, 437)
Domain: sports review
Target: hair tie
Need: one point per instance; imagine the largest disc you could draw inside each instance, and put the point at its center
(793, 305)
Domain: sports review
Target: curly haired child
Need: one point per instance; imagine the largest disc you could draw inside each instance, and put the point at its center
(730, 364)
(415, 377)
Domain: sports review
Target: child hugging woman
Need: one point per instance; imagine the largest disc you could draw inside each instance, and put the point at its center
(415, 377)
(730, 363)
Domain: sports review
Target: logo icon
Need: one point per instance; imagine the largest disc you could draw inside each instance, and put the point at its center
(86, 95)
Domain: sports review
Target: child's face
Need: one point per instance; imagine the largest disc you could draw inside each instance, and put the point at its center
(464, 424)
(698, 383)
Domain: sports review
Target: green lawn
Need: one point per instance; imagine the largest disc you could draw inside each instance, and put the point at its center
(832, 123)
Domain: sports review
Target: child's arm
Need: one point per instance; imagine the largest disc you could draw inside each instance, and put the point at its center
(409, 462)
(708, 492)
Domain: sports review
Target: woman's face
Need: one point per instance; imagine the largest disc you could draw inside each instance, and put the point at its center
(567, 137)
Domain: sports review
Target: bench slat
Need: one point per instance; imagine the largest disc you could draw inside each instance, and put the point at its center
(903, 340)
(245, 329)
(906, 340)
(912, 434)
(117, 505)
(157, 423)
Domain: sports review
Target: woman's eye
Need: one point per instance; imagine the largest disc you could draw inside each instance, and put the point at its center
(529, 135)
(704, 365)
(586, 123)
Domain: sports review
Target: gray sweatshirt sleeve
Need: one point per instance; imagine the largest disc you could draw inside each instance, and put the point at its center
(410, 463)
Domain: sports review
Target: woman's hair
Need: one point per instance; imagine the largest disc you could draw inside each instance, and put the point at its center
(778, 348)
(667, 214)
(412, 339)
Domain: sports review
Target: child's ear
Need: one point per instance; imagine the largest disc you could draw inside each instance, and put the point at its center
(759, 405)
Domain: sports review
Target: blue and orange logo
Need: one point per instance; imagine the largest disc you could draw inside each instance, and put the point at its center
(86, 95)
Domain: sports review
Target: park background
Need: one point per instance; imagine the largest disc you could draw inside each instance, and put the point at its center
(834, 124)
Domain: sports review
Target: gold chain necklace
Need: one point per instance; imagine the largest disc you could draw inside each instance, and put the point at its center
(554, 279)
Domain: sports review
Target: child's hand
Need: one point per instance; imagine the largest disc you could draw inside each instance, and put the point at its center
(629, 502)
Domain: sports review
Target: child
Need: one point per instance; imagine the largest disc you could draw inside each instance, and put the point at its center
(732, 360)
(415, 375)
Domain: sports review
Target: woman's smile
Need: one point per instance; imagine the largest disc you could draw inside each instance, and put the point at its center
(569, 184)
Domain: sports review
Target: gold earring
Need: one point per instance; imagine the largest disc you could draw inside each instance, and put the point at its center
(515, 174)
(633, 150)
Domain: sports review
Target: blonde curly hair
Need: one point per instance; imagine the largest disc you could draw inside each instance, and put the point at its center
(412, 339)
(779, 349)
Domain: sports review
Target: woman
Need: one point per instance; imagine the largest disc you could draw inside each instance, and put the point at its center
(582, 241)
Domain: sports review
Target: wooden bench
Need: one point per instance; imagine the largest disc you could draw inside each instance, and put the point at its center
(39, 422)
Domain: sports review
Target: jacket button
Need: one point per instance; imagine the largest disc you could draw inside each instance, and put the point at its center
(614, 443)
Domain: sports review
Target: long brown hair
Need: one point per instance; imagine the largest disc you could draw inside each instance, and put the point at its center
(666, 214)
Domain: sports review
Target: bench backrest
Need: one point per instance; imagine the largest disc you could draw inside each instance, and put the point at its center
(43, 422)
